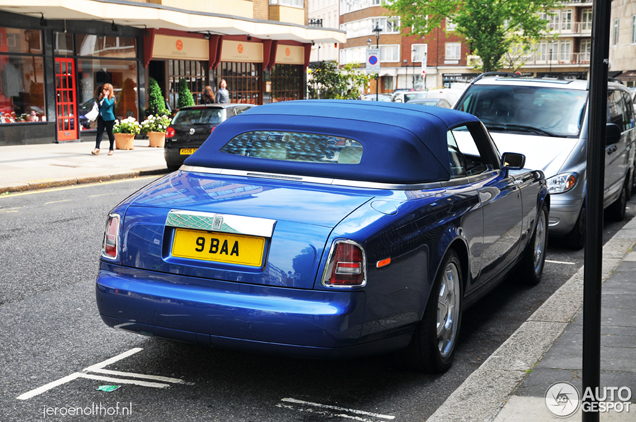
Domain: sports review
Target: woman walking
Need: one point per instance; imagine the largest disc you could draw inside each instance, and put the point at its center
(208, 95)
(222, 96)
(106, 118)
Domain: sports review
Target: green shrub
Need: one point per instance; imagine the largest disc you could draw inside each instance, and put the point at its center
(156, 102)
(185, 96)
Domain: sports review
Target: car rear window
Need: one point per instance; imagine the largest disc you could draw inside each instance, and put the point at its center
(198, 116)
(295, 146)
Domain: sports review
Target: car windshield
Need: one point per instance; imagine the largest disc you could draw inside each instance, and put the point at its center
(198, 116)
(295, 146)
(411, 96)
(530, 109)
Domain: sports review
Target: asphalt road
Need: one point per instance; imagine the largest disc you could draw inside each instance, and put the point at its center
(50, 243)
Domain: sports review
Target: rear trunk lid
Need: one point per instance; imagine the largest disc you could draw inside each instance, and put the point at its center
(246, 230)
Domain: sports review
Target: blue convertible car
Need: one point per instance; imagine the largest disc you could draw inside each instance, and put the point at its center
(325, 229)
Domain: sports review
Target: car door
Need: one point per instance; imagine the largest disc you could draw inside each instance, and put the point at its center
(615, 154)
(500, 200)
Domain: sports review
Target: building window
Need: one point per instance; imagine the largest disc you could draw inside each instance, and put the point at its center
(450, 25)
(586, 20)
(634, 29)
(542, 50)
(353, 55)
(347, 6)
(108, 47)
(566, 20)
(293, 3)
(389, 53)
(194, 72)
(21, 76)
(243, 81)
(586, 50)
(387, 82)
(287, 82)
(565, 51)
(615, 32)
(418, 52)
(552, 19)
(453, 51)
(365, 27)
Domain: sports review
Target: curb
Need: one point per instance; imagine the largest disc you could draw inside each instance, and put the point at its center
(83, 180)
(484, 393)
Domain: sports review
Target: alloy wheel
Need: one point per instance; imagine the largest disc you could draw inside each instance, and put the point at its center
(448, 307)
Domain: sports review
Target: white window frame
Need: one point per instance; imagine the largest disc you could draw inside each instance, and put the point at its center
(300, 4)
(586, 19)
(417, 51)
(586, 50)
(542, 51)
(364, 27)
(456, 49)
(450, 25)
(389, 53)
(565, 51)
(615, 28)
(566, 19)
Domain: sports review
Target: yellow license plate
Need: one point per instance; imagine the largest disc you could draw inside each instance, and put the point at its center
(218, 247)
(187, 151)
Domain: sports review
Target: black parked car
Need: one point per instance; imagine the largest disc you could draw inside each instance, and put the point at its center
(191, 126)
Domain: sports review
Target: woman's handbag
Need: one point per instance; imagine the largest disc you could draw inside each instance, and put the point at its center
(92, 115)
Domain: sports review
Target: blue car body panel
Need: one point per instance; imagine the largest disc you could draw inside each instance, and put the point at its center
(283, 306)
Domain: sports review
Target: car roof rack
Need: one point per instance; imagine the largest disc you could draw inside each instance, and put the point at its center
(506, 74)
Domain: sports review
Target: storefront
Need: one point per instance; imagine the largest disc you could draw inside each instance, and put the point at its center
(50, 71)
(256, 71)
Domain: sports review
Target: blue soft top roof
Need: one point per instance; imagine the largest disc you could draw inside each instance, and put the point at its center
(401, 143)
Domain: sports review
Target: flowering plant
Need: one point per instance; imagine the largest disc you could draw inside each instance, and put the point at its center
(129, 125)
(157, 123)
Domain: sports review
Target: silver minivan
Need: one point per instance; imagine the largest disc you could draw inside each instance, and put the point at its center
(547, 121)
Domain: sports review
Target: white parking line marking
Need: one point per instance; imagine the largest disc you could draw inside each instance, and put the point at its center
(133, 375)
(48, 386)
(560, 262)
(114, 359)
(341, 409)
(123, 381)
(98, 367)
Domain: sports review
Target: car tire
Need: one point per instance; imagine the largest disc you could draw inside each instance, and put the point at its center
(576, 238)
(533, 259)
(616, 211)
(433, 344)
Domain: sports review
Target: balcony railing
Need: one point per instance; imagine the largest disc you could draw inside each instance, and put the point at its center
(571, 59)
(586, 2)
(571, 28)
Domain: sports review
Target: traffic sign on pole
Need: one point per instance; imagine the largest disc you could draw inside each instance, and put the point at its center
(373, 60)
(424, 64)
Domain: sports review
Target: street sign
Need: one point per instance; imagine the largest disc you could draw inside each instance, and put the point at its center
(373, 60)
(424, 63)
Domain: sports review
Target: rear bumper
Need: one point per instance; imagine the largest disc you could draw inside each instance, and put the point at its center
(235, 315)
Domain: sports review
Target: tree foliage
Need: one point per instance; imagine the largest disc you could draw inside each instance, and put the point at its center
(328, 81)
(185, 96)
(156, 102)
(490, 27)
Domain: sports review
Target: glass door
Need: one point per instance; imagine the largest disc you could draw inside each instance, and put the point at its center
(65, 99)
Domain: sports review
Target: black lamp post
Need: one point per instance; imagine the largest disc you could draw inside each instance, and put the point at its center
(377, 31)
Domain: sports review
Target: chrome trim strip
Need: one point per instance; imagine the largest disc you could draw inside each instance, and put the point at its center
(237, 224)
(334, 245)
(342, 182)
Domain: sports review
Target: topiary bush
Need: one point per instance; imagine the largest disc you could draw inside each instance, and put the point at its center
(156, 101)
(185, 96)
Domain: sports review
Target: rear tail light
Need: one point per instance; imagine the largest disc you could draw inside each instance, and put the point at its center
(346, 266)
(212, 130)
(111, 237)
(169, 132)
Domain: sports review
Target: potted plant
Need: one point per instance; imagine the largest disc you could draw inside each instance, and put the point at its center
(125, 132)
(155, 128)
(185, 96)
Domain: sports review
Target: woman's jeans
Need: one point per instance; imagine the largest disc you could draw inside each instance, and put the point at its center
(108, 125)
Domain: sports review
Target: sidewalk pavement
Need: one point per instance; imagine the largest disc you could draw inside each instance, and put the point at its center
(511, 384)
(27, 167)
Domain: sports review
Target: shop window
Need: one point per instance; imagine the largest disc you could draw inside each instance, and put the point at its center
(195, 74)
(93, 73)
(21, 77)
(243, 81)
(109, 47)
(287, 82)
(63, 44)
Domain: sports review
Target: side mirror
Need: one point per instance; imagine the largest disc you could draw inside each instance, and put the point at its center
(513, 161)
(612, 133)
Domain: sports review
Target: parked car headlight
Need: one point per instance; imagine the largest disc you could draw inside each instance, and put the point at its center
(562, 183)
